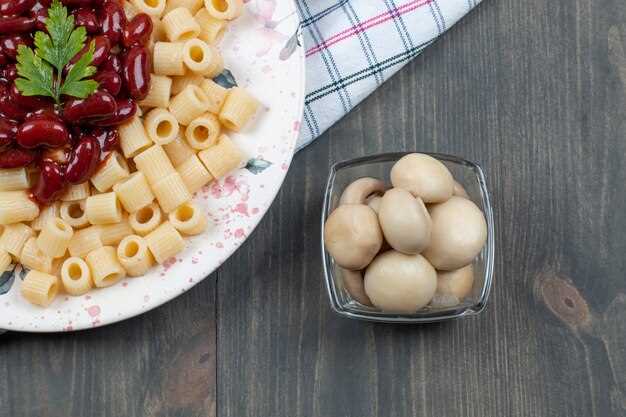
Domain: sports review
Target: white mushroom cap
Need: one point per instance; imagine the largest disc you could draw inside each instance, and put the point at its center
(424, 177)
(453, 286)
(405, 221)
(353, 283)
(459, 232)
(352, 236)
(358, 191)
(400, 283)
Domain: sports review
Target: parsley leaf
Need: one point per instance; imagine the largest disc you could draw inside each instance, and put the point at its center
(54, 51)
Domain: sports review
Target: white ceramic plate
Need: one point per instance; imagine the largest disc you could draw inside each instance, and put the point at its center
(252, 52)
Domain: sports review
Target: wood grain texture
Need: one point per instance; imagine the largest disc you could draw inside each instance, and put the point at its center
(535, 92)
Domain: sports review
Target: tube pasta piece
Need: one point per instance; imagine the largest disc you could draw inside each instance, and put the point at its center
(171, 192)
(14, 179)
(46, 213)
(77, 192)
(85, 241)
(203, 131)
(159, 93)
(221, 158)
(15, 207)
(114, 170)
(211, 29)
(178, 151)
(154, 164)
(200, 57)
(130, 10)
(76, 276)
(5, 260)
(161, 125)
(106, 269)
(224, 9)
(55, 238)
(150, 7)
(33, 257)
(103, 209)
(179, 83)
(168, 58)
(40, 288)
(194, 174)
(216, 95)
(188, 219)
(133, 137)
(73, 213)
(134, 255)
(192, 5)
(165, 242)
(112, 234)
(238, 109)
(189, 104)
(134, 193)
(180, 25)
(14, 237)
(145, 220)
(217, 66)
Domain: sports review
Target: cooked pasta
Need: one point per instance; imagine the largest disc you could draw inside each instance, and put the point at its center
(168, 59)
(146, 219)
(134, 255)
(14, 179)
(112, 234)
(238, 109)
(114, 170)
(194, 174)
(188, 219)
(134, 193)
(216, 95)
(180, 25)
(46, 213)
(211, 29)
(189, 104)
(154, 164)
(224, 9)
(76, 276)
(201, 58)
(77, 192)
(161, 125)
(33, 257)
(151, 7)
(221, 158)
(159, 93)
(55, 237)
(105, 268)
(133, 137)
(192, 5)
(171, 192)
(178, 151)
(179, 83)
(85, 241)
(73, 213)
(14, 237)
(203, 131)
(103, 209)
(130, 10)
(5, 260)
(40, 288)
(165, 242)
(15, 207)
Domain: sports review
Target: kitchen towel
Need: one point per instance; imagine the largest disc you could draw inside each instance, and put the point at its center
(353, 46)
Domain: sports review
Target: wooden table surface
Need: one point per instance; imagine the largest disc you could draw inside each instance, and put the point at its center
(533, 90)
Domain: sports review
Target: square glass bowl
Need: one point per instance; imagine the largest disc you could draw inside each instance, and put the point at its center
(471, 177)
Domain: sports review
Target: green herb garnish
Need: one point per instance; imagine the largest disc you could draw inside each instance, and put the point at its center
(41, 70)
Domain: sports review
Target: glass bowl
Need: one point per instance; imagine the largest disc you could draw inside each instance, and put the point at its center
(472, 178)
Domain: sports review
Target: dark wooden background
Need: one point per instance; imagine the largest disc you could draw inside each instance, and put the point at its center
(533, 90)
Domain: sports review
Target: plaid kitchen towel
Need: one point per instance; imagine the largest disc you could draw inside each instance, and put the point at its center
(353, 46)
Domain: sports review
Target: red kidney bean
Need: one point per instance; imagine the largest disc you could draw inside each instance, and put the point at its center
(15, 7)
(16, 158)
(3, 58)
(83, 160)
(77, 3)
(8, 73)
(9, 44)
(50, 184)
(126, 109)
(109, 81)
(137, 32)
(99, 105)
(8, 130)
(42, 131)
(16, 24)
(87, 18)
(9, 108)
(112, 63)
(108, 138)
(28, 102)
(40, 13)
(102, 48)
(136, 71)
(112, 21)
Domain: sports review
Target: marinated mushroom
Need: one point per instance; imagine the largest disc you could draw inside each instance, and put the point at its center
(352, 236)
(459, 191)
(358, 191)
(405, 221)
(353, 283)
(424, 177)
(400, 283)
(459, 232)
(453, 286)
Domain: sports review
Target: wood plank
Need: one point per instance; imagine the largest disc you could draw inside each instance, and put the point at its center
(532, 92)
